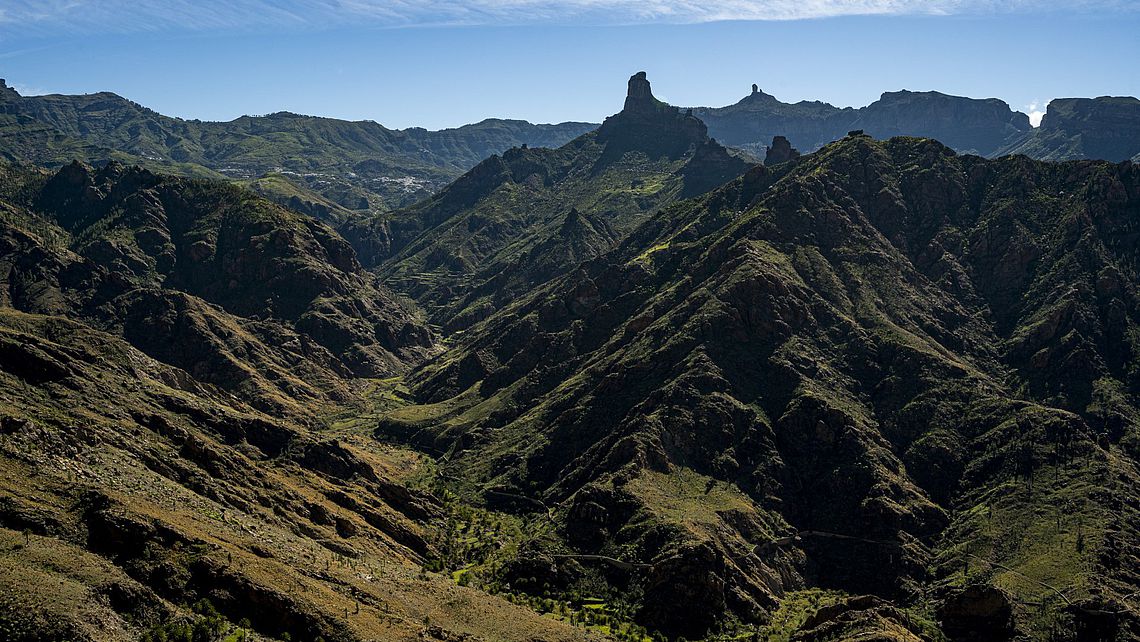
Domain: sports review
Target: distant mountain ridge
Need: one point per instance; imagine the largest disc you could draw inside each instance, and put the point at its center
(364, 166)
(1104, 128)
(357, 164)
(1107, 127)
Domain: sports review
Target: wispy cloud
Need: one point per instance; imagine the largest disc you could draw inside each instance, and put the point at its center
(86, 16)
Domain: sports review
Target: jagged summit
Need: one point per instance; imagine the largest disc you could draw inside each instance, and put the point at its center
(640, 93)
(517, 220)
(757, 94)
(639, 97)
(649, 125)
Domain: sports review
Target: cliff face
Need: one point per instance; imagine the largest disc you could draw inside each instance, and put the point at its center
(780, 151)
(650, 126)
(1105, 128)
(964, 124)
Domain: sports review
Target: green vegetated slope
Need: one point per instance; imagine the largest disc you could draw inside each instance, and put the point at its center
(881, 391)
(137, 501)
(359, 165)
(520, 219)
(169, 349)
(153, 257)
(881, 369)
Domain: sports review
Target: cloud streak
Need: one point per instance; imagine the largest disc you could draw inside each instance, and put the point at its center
(118, 16)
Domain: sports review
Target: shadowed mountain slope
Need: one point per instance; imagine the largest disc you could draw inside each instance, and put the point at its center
(876, 391)
(137, 502)
(206, 277)
(882, 368)
(487, 238)
(170, 353)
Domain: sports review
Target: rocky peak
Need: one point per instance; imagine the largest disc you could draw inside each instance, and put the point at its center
(780, 151)
(639, 96)
(649, 125)
(758, 99)
(574, 220)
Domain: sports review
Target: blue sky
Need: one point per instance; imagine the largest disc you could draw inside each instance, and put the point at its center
(440, 63)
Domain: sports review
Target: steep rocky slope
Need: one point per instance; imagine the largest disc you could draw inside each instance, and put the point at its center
(170, 353)
(206, 277)
(883, 368)
(517, 220)
(878, 391)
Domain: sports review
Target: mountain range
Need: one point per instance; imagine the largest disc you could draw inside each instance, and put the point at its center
(358, 165)
(640, 386)
(363, 166)
(1105, 128)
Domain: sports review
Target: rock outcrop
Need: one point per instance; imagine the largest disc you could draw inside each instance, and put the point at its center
(650, 126)
(780, 151)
